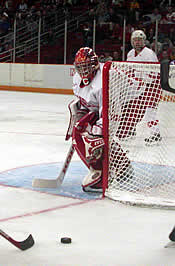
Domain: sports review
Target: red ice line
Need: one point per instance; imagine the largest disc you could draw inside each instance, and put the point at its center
(46, 210)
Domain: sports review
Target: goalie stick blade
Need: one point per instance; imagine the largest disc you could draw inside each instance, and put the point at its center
(55, 183)
(45, 183)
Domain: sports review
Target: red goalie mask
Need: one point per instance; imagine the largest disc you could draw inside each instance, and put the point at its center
(86, 64)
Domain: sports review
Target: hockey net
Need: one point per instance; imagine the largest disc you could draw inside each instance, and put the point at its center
(136, 171)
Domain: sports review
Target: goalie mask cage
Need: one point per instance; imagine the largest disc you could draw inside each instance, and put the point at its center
(133, 171)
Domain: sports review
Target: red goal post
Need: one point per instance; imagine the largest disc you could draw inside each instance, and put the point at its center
(134, 105)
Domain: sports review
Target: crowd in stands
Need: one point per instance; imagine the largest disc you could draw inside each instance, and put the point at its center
(139, 15)
(109, 15)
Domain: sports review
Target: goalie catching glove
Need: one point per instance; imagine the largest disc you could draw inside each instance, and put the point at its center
(75, 115)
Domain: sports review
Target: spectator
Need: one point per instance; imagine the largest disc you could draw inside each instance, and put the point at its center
(67, 8)
(102, 14)
(116, 56)
(1, 46)
(114, 16)
(105, 57)
(92, 14)
(166, 50)
(172, 54)
(9, 9)
(152, 17)
(117, 3)
(163, 20)
(170, 16)
(171, 35)
(153, 46)
(134, 11)
(117, 32)
(8, 46)
(31, 12)
(87, 35)
(167, 44)
(164, 56)
(4, 24)
(22, 9)
(150, 35)
(50, 38)
(129, 30)
(156, 15)
(108, 56)
(93, 4)
(101, 58)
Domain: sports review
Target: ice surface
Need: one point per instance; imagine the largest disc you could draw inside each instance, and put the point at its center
(103, 232)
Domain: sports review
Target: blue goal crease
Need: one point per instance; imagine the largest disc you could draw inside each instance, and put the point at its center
(71, 186)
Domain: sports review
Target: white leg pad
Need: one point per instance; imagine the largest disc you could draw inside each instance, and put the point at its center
(92, 178)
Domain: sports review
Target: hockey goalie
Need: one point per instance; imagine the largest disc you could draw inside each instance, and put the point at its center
(85, 126)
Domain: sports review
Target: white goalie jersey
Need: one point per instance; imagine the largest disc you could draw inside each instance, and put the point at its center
(90, 96)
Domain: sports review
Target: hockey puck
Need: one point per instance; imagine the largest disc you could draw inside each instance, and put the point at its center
(66, 240)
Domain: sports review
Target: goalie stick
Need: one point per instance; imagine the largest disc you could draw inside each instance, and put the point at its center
(55, 183)
(23, 245)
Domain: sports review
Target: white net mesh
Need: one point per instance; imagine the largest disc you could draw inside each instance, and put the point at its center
(141, 136)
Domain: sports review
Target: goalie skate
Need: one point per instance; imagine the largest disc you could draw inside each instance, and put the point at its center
(153, 140)
(97, 188)
(93, 181)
